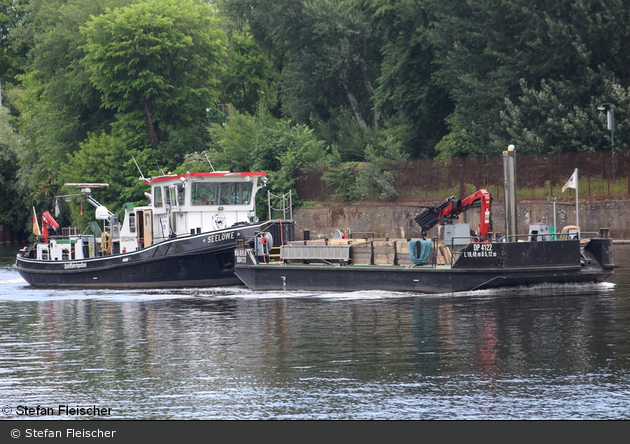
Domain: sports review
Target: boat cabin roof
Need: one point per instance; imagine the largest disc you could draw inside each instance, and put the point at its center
(216, 174)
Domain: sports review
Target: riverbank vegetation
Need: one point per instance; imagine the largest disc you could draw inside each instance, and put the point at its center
(353, 85)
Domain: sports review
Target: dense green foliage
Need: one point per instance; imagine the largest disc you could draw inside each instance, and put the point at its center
(354, 84)
(9, 214)
(155, 62)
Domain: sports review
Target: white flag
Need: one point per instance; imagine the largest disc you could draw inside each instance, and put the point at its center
(572, 183)
(57, 212)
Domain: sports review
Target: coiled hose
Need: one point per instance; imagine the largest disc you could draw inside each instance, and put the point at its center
(420, 251)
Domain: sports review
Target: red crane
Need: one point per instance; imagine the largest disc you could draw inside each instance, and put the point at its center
(48, 222)
(451, 208)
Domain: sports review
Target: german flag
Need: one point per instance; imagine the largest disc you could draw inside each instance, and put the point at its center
(36, 230)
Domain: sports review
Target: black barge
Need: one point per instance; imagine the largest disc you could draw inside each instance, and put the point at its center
(478, 266)
(464, 260)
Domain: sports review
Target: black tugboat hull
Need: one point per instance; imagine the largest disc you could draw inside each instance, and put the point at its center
(193, 261)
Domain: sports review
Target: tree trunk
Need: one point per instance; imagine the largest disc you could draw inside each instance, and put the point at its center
(353, 100)
(279, 92)
(366, 80)
(151, 131)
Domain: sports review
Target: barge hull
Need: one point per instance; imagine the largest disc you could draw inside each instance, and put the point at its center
(357, 278)
(479, 266)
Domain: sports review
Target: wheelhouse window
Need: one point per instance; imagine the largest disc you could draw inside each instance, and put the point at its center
(226, 193)
(175, 195)
(157, 197)
(247, 193)
(181, 194)
(204, 193)
(132, 222)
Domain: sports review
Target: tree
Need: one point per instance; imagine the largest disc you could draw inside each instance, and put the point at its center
(102, 158)
(278, 147)
(406, 87)
(327, 52)
(539, 122)
(374, 178)
(12, 208)
(249, 76)
(333, 64)
(57, 104)
(493, 53)
(12, 54)
(156, 63)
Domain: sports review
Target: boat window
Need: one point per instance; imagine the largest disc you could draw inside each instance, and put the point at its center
(225, 194)
(147, 220)
(236, 194)
(240, 193)
(167, 195)
(204, 194)
(157, 197)
(172, 195)
(247, 193)
(181, 194)
(132, 222)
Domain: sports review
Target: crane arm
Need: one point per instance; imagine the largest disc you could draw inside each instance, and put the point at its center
(451, 208)
(48, 222)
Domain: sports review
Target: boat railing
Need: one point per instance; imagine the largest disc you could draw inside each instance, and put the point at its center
(456, 247)
(361, 234)
(579, 235)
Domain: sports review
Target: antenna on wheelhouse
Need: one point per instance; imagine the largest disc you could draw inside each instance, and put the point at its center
(160, 168)
(141, 175)
(208, 159)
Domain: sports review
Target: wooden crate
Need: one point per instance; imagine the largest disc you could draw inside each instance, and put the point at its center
(361, 254)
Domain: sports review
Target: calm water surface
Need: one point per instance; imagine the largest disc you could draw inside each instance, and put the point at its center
(551, 352)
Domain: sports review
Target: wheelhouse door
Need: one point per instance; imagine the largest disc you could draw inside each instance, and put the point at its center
(147, 226)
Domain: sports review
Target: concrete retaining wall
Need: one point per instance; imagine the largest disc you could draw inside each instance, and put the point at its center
(8, 236)
(394, 220)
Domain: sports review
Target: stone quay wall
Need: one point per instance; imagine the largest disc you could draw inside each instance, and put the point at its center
(395, 219)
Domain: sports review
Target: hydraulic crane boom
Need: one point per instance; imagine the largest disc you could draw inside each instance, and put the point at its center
(48, 222)
(451, 208)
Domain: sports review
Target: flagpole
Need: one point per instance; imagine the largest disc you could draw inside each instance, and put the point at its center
(573, 183)
(577, 217)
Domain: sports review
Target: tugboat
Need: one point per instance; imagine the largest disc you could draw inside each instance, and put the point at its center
(184, 237)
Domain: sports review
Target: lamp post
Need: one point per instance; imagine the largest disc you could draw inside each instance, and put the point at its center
(611, 126)
(553, 199)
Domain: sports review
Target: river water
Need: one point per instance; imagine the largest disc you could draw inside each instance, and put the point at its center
(550, 352)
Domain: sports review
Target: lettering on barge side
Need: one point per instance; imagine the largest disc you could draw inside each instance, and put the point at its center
(481, 250)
